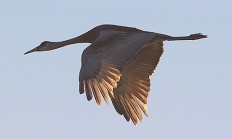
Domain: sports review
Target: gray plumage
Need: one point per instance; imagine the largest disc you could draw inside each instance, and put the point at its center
(117, 65)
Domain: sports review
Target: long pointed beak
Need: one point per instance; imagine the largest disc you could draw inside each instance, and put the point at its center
(33, 50)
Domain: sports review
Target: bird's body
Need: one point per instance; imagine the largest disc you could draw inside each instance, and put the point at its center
(117, 65)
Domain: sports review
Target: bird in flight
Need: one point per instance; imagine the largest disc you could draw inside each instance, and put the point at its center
(117, 65)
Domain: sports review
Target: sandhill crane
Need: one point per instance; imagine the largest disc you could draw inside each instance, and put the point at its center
(117, 65)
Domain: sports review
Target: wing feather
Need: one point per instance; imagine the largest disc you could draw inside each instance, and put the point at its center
(103, 91)
(125, 111)
(119, 69)
(135, 83)
(135, 108)
(89, 93)
(130, 110)
(104, 60)
(117, 105)
(96, 91)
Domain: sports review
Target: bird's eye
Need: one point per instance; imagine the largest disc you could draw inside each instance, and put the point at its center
(43, 43)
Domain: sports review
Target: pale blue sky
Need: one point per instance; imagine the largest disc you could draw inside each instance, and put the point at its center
(190, 95)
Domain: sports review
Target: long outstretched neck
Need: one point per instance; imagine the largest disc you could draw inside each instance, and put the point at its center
(190, 37)
(84, 38)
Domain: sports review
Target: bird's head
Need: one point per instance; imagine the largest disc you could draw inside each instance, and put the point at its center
(44, 46)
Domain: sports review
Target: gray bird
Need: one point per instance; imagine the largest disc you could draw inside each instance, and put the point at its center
(117, 65)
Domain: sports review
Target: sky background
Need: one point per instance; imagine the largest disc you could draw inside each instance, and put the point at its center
(191, 90)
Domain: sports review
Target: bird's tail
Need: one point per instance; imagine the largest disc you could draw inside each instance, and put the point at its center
(190, 37)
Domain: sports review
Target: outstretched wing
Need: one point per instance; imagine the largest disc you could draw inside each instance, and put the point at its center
(130, 97)
(103, 61)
